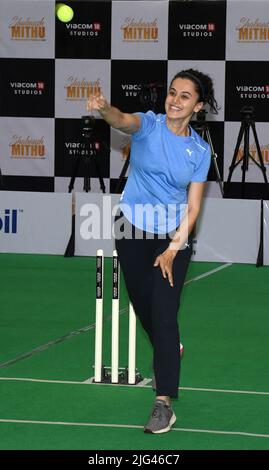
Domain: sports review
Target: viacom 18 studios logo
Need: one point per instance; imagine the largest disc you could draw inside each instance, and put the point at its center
(27, 88)
(252, 31)
(84, 29)
(197, 30)
(27, 29)
(79, 149)
(134, 30)
(131, 90)
(260, 92)
(27, 148)
(78, 90)
(254, 153)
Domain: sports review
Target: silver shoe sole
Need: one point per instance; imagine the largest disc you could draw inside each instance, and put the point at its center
(171, 422)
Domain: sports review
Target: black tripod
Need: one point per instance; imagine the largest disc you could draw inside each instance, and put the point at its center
(247, 123)
(202, 129)
(87, 146)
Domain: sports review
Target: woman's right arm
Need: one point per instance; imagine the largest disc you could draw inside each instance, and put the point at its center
(125, 122)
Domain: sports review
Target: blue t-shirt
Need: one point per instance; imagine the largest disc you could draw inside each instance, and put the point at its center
(162, 165)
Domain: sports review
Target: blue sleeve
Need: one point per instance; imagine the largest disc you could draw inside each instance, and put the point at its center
(148, 121)
(202, 168)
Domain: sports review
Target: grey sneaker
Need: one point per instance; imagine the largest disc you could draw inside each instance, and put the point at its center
(162, 418)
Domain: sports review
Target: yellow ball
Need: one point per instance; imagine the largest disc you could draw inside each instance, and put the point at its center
(64, 12)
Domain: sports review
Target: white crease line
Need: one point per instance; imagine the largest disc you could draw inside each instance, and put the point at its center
(132, 426)
(61, 423)
(141, 384)
(24, 379)
(219, 390)
(213, 271)
(230, 433)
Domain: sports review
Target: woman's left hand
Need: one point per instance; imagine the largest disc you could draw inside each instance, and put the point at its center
(165, 262)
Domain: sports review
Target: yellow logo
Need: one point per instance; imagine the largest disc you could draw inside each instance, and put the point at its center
(254, 153)
(139, 31)
(27, 29)
(27, 148)
(252, 31)
(78, 90)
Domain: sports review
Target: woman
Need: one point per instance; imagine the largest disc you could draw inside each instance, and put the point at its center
(169, 163)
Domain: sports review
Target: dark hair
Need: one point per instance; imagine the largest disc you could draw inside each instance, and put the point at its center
(203, 85)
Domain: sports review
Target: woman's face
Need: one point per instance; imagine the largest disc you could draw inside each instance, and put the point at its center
(182, 99)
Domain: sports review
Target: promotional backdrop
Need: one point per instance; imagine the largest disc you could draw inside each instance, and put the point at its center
(129, 50)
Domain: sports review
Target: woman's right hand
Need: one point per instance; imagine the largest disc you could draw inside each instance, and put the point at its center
(97, 102)
(125, 122)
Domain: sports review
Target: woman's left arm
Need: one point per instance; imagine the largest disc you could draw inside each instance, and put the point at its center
(165, 260)
(195, 196)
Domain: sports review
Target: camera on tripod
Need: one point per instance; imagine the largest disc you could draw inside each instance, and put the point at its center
(247, 125)
(90, 150)
(87, 126)
(247, 113)
(89, 145)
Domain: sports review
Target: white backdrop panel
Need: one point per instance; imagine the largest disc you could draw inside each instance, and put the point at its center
(34, 222)
(27, 146)
(139, 32)
(27, 28)
(247, 30)
(228, 230)
(76, 79)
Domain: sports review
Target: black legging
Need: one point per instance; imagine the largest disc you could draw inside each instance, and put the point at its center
(155, 302)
